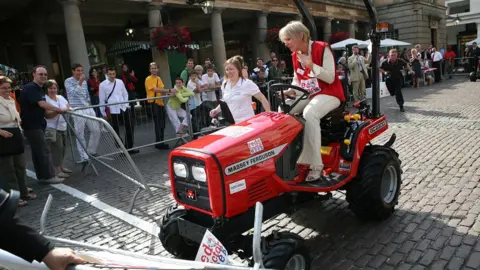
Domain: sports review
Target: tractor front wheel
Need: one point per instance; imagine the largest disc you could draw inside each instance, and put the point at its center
(473, 76)
(170, 237)
(374, 193)
(286, 251)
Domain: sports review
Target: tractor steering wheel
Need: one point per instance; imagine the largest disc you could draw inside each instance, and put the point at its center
(282, 87)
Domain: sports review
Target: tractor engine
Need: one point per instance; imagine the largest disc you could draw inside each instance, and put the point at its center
(232, 166)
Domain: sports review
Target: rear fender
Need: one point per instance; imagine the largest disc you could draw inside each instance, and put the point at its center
(364, 137)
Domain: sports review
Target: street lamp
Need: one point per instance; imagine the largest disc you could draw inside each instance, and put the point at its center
(207, 5)
(457, 20)
(129, 30)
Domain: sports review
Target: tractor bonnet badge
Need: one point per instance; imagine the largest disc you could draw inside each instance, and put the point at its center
(252, 161)
(255, 146)
(377, 127)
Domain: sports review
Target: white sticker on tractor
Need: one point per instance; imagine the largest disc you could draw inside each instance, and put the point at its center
(252, 161)
(377, 127)
(238, 186)
(233, 131)
(255, 146)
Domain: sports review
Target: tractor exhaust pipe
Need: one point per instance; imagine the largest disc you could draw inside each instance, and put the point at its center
(307, 16)
(375, 40)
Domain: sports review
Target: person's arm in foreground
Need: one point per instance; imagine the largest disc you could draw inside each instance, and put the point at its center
(29, 245)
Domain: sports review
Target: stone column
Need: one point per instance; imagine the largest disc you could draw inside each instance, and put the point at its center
(351, 28)
(40, 42)
(327, 29)
(299, 17)
(478, 29)
(218, 41)
(159, 57)
(77, 46)
(263, 50)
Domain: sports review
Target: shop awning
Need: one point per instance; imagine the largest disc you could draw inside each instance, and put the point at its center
(123, 47)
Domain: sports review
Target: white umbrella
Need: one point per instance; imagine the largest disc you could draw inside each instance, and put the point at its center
(342, 44)
(477, 40)
(390, 43)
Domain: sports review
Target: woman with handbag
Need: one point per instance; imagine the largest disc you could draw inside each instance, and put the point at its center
(12, 159)
(55, 133)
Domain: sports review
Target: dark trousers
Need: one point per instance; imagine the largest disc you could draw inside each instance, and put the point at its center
(159, 122)
(12, 170)
(438, 71)
(394, 86)
(127, 118)
(95, 101)
(42, 161)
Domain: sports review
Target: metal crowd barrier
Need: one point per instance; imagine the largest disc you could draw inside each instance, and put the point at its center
(461, 66)
(96, 140)
(135, 260)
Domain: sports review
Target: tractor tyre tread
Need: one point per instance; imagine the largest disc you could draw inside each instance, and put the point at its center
(169, 235)
(280, 247)
(362, 192)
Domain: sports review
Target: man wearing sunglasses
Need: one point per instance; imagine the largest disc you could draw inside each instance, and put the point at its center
(33, 106)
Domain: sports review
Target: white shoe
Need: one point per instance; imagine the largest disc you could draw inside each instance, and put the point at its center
(53, 180)
(315, 174)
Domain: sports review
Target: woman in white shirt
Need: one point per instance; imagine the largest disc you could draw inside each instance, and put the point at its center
(238, 91)
(212, 82)
(56, 128)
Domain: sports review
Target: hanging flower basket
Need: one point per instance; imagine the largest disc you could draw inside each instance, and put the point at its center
(272, 37)
(171, 38)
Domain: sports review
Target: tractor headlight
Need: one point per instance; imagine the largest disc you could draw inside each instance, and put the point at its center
(199, 173)
(180, 169)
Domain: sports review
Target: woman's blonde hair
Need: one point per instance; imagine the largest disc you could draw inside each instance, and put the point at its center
(5, 79)
(50, 83)
(237, 62)
(294, 30)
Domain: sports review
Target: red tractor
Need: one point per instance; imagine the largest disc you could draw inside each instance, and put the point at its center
(217, 179)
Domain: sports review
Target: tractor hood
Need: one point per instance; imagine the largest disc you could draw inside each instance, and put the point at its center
(250, 142)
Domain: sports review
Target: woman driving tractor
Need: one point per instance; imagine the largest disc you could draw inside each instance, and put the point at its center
(314, 66)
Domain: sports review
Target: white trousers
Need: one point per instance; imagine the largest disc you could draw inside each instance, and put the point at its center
(174, 116)
(313, 112)
(93, 131)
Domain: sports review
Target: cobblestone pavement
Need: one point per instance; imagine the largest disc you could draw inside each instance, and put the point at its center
(435, 226)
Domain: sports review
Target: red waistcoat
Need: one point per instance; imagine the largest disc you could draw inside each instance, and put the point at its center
(335, 88)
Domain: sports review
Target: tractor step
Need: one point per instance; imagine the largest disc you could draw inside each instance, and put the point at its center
(329, 181)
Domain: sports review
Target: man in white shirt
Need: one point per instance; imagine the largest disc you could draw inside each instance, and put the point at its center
(437, 63)
(113, 91)
(79, 97)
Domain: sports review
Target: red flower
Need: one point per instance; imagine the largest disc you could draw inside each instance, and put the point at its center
(172, 38)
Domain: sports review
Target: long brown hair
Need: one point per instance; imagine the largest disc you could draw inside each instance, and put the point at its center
(237, 62)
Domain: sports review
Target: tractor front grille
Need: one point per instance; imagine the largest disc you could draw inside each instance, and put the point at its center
(188, 190)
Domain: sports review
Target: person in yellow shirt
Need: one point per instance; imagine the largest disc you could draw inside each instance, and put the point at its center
(155, 88)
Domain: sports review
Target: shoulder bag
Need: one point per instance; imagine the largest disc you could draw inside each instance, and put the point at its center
(13, 145)
(51, 133)
(107, 109)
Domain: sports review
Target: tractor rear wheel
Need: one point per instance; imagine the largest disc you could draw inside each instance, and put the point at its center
(170, 237)
(286, 251)
(374, 193)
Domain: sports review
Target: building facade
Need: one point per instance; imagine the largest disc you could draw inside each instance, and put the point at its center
(414, 21)
(57, 33)
(463, 23)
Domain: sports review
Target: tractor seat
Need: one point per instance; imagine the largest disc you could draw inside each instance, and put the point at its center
(336, 113)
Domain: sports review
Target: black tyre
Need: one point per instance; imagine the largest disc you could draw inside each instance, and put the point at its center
(473, 76)
(170, 237)
(374, 193)
(286, 251)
